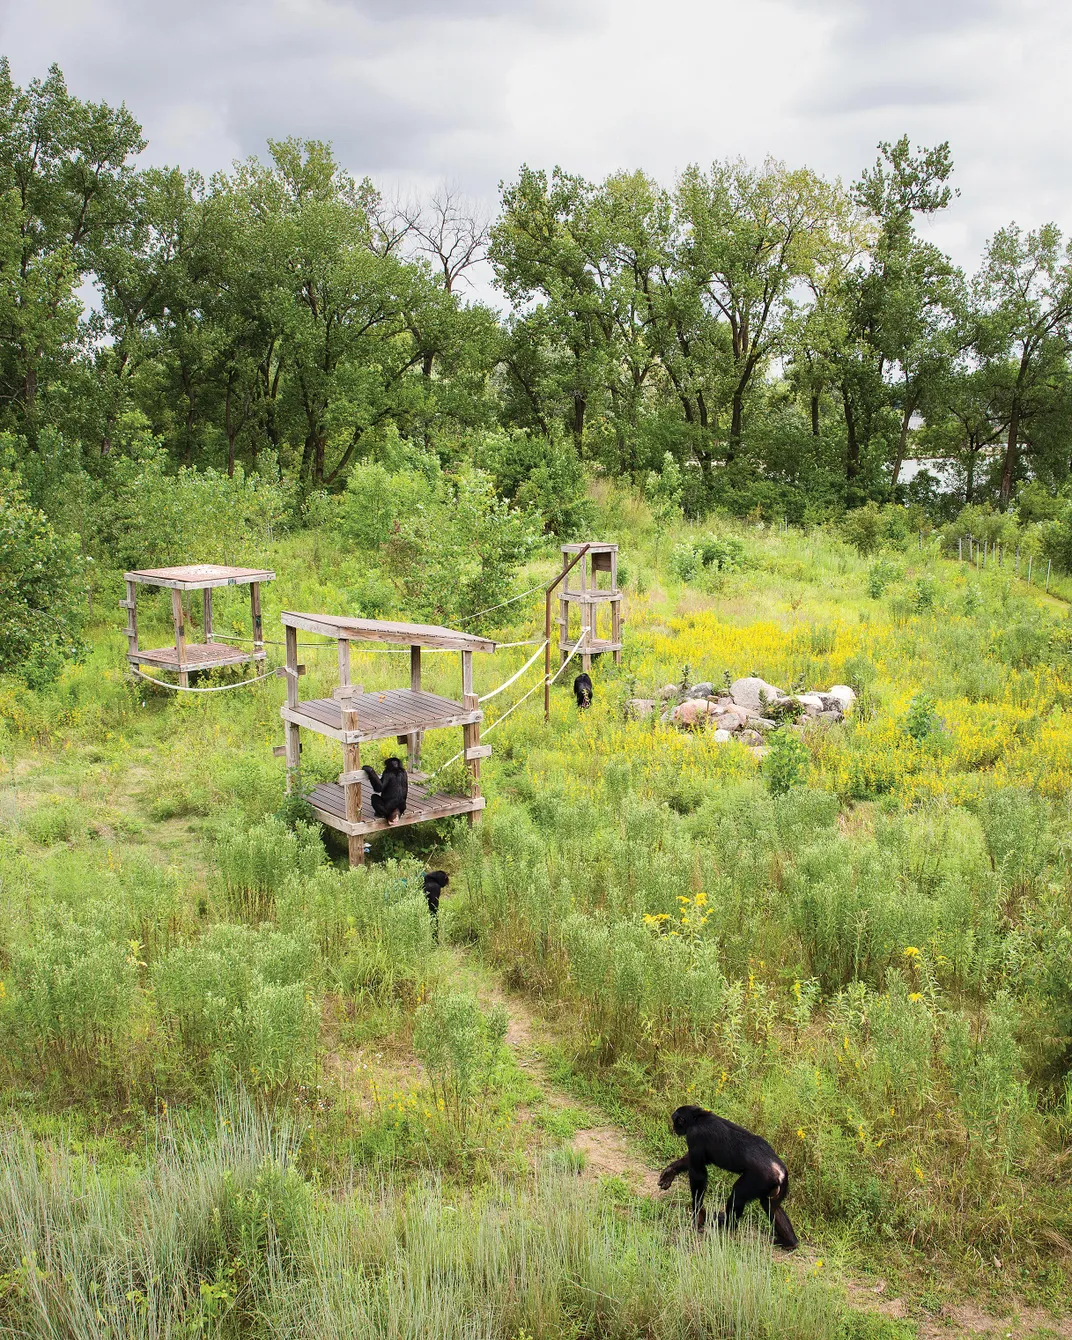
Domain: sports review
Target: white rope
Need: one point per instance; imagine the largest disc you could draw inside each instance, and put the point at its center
(502, 604)
(512, 678)
(498, 720)
(217, 688)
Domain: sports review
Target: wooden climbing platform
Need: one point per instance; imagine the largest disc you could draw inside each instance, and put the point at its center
(186, 657)
(329, 802)
(353, 717)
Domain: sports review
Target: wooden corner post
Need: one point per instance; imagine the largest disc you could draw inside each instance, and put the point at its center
(292, 739)
(255, 611)
(351, 772)
(178, 616)
(413, 742)
(471, 734)
(130, 604)
(547, 631)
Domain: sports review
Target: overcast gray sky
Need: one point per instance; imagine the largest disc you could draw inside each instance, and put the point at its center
(415, 91)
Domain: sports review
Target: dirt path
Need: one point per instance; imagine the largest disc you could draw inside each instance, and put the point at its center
(609, 1151)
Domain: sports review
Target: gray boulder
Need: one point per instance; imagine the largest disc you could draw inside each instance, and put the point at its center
(639, 709)
(844, 695)
(721, 736)
(751, 692)
(668, 691)
(704, 690)
(812, 703)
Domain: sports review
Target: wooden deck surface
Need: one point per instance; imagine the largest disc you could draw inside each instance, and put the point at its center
(199, 656)
(593, 645)
(199, 576)
(380, 715)
(348, 629)
(328, 802)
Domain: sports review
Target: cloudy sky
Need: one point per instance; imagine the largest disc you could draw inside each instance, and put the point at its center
(416, 91)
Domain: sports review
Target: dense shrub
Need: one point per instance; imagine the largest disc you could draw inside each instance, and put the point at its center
(42, 590)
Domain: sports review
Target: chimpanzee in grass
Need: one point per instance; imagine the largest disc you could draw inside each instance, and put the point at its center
(762, 1174)
(582, 689)
(435, 881)
(389, 792)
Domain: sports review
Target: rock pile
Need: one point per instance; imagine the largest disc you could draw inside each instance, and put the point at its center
(749, 707)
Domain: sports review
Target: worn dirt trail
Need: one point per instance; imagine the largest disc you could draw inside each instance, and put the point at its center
(610, 1151)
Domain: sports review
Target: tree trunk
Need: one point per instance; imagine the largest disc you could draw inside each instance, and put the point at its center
(814, 415)
(580, 404)
(902, 442)
(852, 458)
(230, 427)
(969, 482)
(1009, 468)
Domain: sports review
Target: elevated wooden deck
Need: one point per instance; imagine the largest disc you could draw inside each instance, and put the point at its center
(380, 715)
(199, 576)
(592, 647)
(199, 656)
(330, 808)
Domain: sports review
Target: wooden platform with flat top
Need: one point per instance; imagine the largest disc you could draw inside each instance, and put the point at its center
(329, 803)
(353, 717)
(381, 715)
(185, 657)
(597, 591)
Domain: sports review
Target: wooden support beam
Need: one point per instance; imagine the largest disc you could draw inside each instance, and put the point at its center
(131, 607)
(471, 734)
(206, 612)
(292, 746)
(344, 661)
(255, 611)
(413, 742)
(295, 672)
(478, 751)
(351, 770)
(178, 616)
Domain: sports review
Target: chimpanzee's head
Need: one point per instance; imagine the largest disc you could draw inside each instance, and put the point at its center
(682, 1119)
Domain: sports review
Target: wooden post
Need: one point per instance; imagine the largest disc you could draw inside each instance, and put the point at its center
(471, 734)
(960, 549)
(344, 662)
(255, 610)
(206, 612)
(413, 741)
(131, 605)
(616, 629)
(351, 765)
(292, 736)
(1030, 560)
(588, 614)
(178, 617)
(1049, 566)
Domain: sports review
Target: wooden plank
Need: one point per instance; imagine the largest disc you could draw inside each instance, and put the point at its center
(344, 662)
(126, 604)
(279, 751)
(379, 630)
(400, 713)
(478, 751)
(282, 671)
(351, 764)
(131, 604)
(413, 741)
(206, 612)
(328, 805)
(292, 735)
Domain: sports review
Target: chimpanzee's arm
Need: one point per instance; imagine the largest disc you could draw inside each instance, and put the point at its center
(672, 1170)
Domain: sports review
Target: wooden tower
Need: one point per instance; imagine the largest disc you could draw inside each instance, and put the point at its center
(593, 587)
(352, 716)
(185, 656)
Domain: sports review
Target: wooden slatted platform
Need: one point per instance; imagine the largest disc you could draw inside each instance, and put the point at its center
(199, 656)
(330, 807)
(592, 646)
(380, 715)
(199, 576)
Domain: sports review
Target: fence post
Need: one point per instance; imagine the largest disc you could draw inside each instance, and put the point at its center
(1049, 565)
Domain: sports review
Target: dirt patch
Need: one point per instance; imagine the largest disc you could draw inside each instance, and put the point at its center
(608, 1154)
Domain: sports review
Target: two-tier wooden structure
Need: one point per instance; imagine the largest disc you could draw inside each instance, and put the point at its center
(185, 657)
(593, 587)
(352, 717)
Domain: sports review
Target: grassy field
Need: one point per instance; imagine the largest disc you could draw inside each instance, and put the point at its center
(245, 1092)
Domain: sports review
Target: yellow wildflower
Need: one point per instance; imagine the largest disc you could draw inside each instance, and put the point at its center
(911, 952)
(915, 995)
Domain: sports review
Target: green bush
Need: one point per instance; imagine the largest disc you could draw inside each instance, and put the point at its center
(787, 763)
(461, 1046)
(238, 1000)
(42, 591)
(255, 861)
(540, 475)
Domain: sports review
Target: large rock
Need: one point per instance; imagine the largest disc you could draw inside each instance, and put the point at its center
(844, 696)
(721, 736)
(639, 709)
(692, 712)
(750, 737)
(729, 720)
(746, 693)
(812, 703)
(704, 690)
(668, 691)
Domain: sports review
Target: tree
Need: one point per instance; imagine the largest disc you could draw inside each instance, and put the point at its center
(1023, 296)
(749, 236)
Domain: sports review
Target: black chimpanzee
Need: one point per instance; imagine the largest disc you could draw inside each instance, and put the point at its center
(435, 881)
(582, 689)
(390, 791)
(763, 1175)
